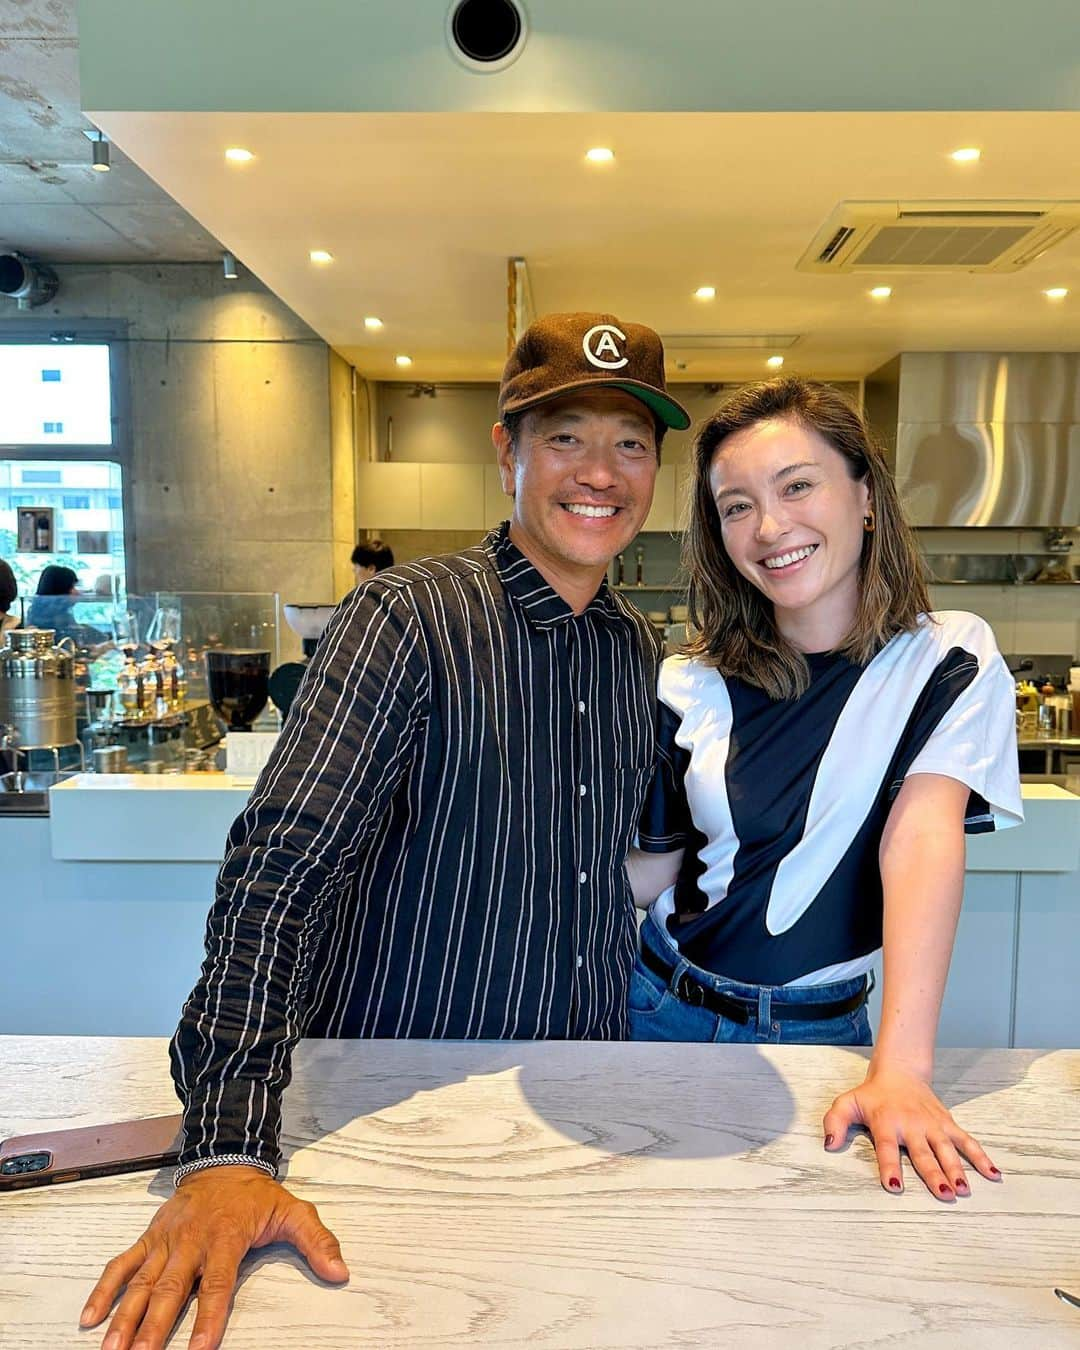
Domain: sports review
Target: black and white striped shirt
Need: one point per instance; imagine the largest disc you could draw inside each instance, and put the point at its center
(436, 847)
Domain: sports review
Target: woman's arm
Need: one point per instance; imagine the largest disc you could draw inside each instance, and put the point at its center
(922, 875)
(651, 873)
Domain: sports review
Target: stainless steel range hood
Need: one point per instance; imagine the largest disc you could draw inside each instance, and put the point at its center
(982, 438)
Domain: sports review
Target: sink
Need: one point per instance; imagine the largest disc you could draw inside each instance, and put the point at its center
(26, 792)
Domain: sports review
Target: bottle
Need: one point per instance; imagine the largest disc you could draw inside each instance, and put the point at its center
(639, 556)
(620, 569)
(1027, 705)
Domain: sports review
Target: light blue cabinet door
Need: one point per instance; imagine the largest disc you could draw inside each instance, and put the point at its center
(1048, 961)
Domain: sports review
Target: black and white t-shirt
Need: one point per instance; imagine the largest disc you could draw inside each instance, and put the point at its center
(780, 805)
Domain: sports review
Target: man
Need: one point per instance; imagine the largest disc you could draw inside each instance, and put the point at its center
(448, 809)
(369, 557)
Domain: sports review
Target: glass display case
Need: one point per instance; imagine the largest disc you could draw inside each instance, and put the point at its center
(141, 669)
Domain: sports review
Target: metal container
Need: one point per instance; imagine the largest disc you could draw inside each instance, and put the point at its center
(110, 759)
(37, 688)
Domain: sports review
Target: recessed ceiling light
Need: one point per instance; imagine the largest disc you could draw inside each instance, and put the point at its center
(967, 154)
(320, 255)
(600, 154)
(373, 323)
(705, 293)
(238, 155)
(775, 362)
(881, 292)
(403, 360)
(1056, 293)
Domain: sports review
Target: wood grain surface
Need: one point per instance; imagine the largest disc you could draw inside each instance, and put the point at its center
(584, 1196)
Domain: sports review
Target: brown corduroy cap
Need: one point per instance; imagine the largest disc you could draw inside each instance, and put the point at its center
(565, 353)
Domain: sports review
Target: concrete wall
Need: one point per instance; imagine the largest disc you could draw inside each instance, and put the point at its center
(235, 480)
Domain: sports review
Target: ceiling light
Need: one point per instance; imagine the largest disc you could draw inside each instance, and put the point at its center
(968, 154)
(228, 263)
(1056, 293)
(373, 323)
(238, 155)
(775, 362)
(600, 154)
(320, 255)
(99, 150)
(881, 292)
(705, 293)
(403, 360)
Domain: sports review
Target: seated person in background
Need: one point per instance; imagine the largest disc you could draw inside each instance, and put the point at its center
(368, 557)
(9, 591)
(53, 607)
(822, 748)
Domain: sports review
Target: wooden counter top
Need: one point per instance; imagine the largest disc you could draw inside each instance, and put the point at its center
(584, 1195)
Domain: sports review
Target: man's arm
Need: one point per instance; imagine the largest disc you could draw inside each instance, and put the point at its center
(344, 747)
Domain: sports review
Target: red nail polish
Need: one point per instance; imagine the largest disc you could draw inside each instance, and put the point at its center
(894, 1183)
(994, 1171)
(828, 1141)
(945, 1189)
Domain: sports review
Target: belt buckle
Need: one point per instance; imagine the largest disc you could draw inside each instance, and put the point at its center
(689, 991)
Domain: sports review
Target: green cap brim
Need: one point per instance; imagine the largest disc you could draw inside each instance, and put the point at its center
(672, 414)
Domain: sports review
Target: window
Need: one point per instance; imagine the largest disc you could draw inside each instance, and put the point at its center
(55, 395)
(91, 542)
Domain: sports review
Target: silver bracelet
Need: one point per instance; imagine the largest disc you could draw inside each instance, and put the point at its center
(223, 1160)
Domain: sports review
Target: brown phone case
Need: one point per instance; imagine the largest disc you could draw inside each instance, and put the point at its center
(89, 1151)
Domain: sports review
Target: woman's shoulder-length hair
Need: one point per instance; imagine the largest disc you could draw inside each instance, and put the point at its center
(731, 621)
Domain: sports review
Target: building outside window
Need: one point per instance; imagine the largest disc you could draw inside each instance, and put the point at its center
(57, 396)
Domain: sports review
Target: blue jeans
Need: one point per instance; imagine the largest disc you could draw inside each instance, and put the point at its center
(657, 1014)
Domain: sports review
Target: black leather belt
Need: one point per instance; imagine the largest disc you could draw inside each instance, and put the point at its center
(699, 995)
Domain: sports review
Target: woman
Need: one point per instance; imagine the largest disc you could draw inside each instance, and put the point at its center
(53, 607)
(823, 746)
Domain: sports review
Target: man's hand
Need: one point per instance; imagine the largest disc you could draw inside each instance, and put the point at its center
(203, 1233)
(899, 1107)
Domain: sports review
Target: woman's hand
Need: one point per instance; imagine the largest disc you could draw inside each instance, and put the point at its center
(899, 1108)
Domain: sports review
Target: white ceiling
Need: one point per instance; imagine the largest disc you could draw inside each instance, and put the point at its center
(421, 212)
(52, 205)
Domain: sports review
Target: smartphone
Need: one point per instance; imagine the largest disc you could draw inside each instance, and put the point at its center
(89, 1151)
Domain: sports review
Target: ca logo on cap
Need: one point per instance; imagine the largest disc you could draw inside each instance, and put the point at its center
(599, 343)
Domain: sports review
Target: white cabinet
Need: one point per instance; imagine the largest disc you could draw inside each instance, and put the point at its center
(662, 514)
(388, 496)
(451, 496)
(684, 485)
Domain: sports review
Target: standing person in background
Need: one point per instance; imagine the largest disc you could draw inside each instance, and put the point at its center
(9, 593)
(370, 557)
(822, 750)
(436, 846)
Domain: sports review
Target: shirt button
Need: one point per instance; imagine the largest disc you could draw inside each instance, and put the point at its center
(580, 962)
(581, 790)
(581, 707)
(582, 877)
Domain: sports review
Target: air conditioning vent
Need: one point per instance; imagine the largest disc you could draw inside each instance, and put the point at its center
(938, 236)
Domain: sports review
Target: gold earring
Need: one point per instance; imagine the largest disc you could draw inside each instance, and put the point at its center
(868, 520)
